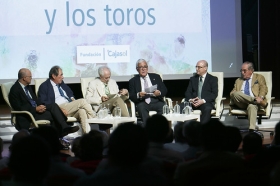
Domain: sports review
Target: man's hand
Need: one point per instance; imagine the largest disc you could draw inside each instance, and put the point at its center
(142, 94)
(157, 93)
(64, 111)
(197, 102)
(41, 108)
(123, 92)
(258, 100)
(104, 98)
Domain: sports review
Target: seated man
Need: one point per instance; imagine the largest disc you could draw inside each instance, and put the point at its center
(22, 98)
(202, 91)
(146, 101)
(54, 90)
(100, 89)
(249, 93)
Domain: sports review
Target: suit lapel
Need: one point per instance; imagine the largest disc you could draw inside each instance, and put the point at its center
(100, 88)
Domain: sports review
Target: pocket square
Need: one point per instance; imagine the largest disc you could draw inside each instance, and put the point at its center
(256, 82)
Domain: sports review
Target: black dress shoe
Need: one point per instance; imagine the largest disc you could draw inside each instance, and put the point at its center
(69, 130)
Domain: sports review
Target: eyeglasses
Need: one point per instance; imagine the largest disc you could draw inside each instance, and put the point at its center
(28, 76)
(199, 67)
(145, 67)
(245, 70)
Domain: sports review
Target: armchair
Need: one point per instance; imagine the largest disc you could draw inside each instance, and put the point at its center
(5, 87)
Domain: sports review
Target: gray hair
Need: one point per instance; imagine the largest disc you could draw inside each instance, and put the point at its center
(54, 71)
(102, 69)
(250, 65)
(140, 61)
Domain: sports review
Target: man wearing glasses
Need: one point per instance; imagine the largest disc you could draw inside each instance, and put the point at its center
(249, 93)
(104, 90)
(202, 91)
(146, 90)
(22, 98)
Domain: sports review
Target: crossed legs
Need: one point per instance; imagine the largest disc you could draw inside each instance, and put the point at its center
(244, 101)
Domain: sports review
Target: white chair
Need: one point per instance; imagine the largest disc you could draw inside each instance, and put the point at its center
(84, 85)
(263, 113)
(38, 82)
(219, 104)
(5, 87)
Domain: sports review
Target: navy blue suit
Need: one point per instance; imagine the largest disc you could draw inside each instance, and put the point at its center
(19, 101)
(156, 102)
(46, 92)
(209, 93)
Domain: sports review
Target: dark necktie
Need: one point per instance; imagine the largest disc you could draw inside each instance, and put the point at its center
(246, 88)
(147, 100)
(33, 103)
(62, 93)
(200, 83)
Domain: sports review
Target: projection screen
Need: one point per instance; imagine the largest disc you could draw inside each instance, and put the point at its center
(80, 36)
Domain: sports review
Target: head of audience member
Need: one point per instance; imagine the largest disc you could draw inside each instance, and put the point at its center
(201, 67)
(178, 133)
(104, 74)
(24, 76)
(192, 133)
(128, 145)
(247, 70)
(276, 139)
(56, 74)
(75, 147)
(105, 137)
(91, 146)
(30, 160)
(233, 139)
(213, 135)
(18, 136)
(252, 143)
(142, 67)
(50, 135)
(157, 128)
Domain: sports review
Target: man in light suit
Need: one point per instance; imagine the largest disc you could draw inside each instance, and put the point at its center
(249, 93)
(202, 97)
(100, 89)
(54, 90)
(22, 98)
(145, 101)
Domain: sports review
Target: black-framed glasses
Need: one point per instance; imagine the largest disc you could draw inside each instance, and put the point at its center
(199, 67)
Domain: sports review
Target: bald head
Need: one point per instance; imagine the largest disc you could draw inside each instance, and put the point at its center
(24, 76)
(201, 67)
(23, 72)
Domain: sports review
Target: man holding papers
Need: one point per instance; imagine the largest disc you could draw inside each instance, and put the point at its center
(104, 91)
(146, 91)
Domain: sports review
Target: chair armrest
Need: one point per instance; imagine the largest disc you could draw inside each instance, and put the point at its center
(28, 113)
(132, 107)
(169, 102)
(219, 105)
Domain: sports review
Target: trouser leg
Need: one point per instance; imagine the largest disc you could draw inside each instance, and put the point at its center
(252, 115)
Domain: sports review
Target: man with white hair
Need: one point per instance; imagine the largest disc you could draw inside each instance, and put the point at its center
(104, 90)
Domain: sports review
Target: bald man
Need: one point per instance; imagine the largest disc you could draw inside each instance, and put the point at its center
(202, 91)
(22, 98)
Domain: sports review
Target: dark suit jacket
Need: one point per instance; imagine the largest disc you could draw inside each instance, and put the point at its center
(19, 100)
(135, 87)
(209, 90)
(46, 92)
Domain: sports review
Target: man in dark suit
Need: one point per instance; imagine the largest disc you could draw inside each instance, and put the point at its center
(54, 90)
(22, 98)
(146, 101)
(202, 91)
